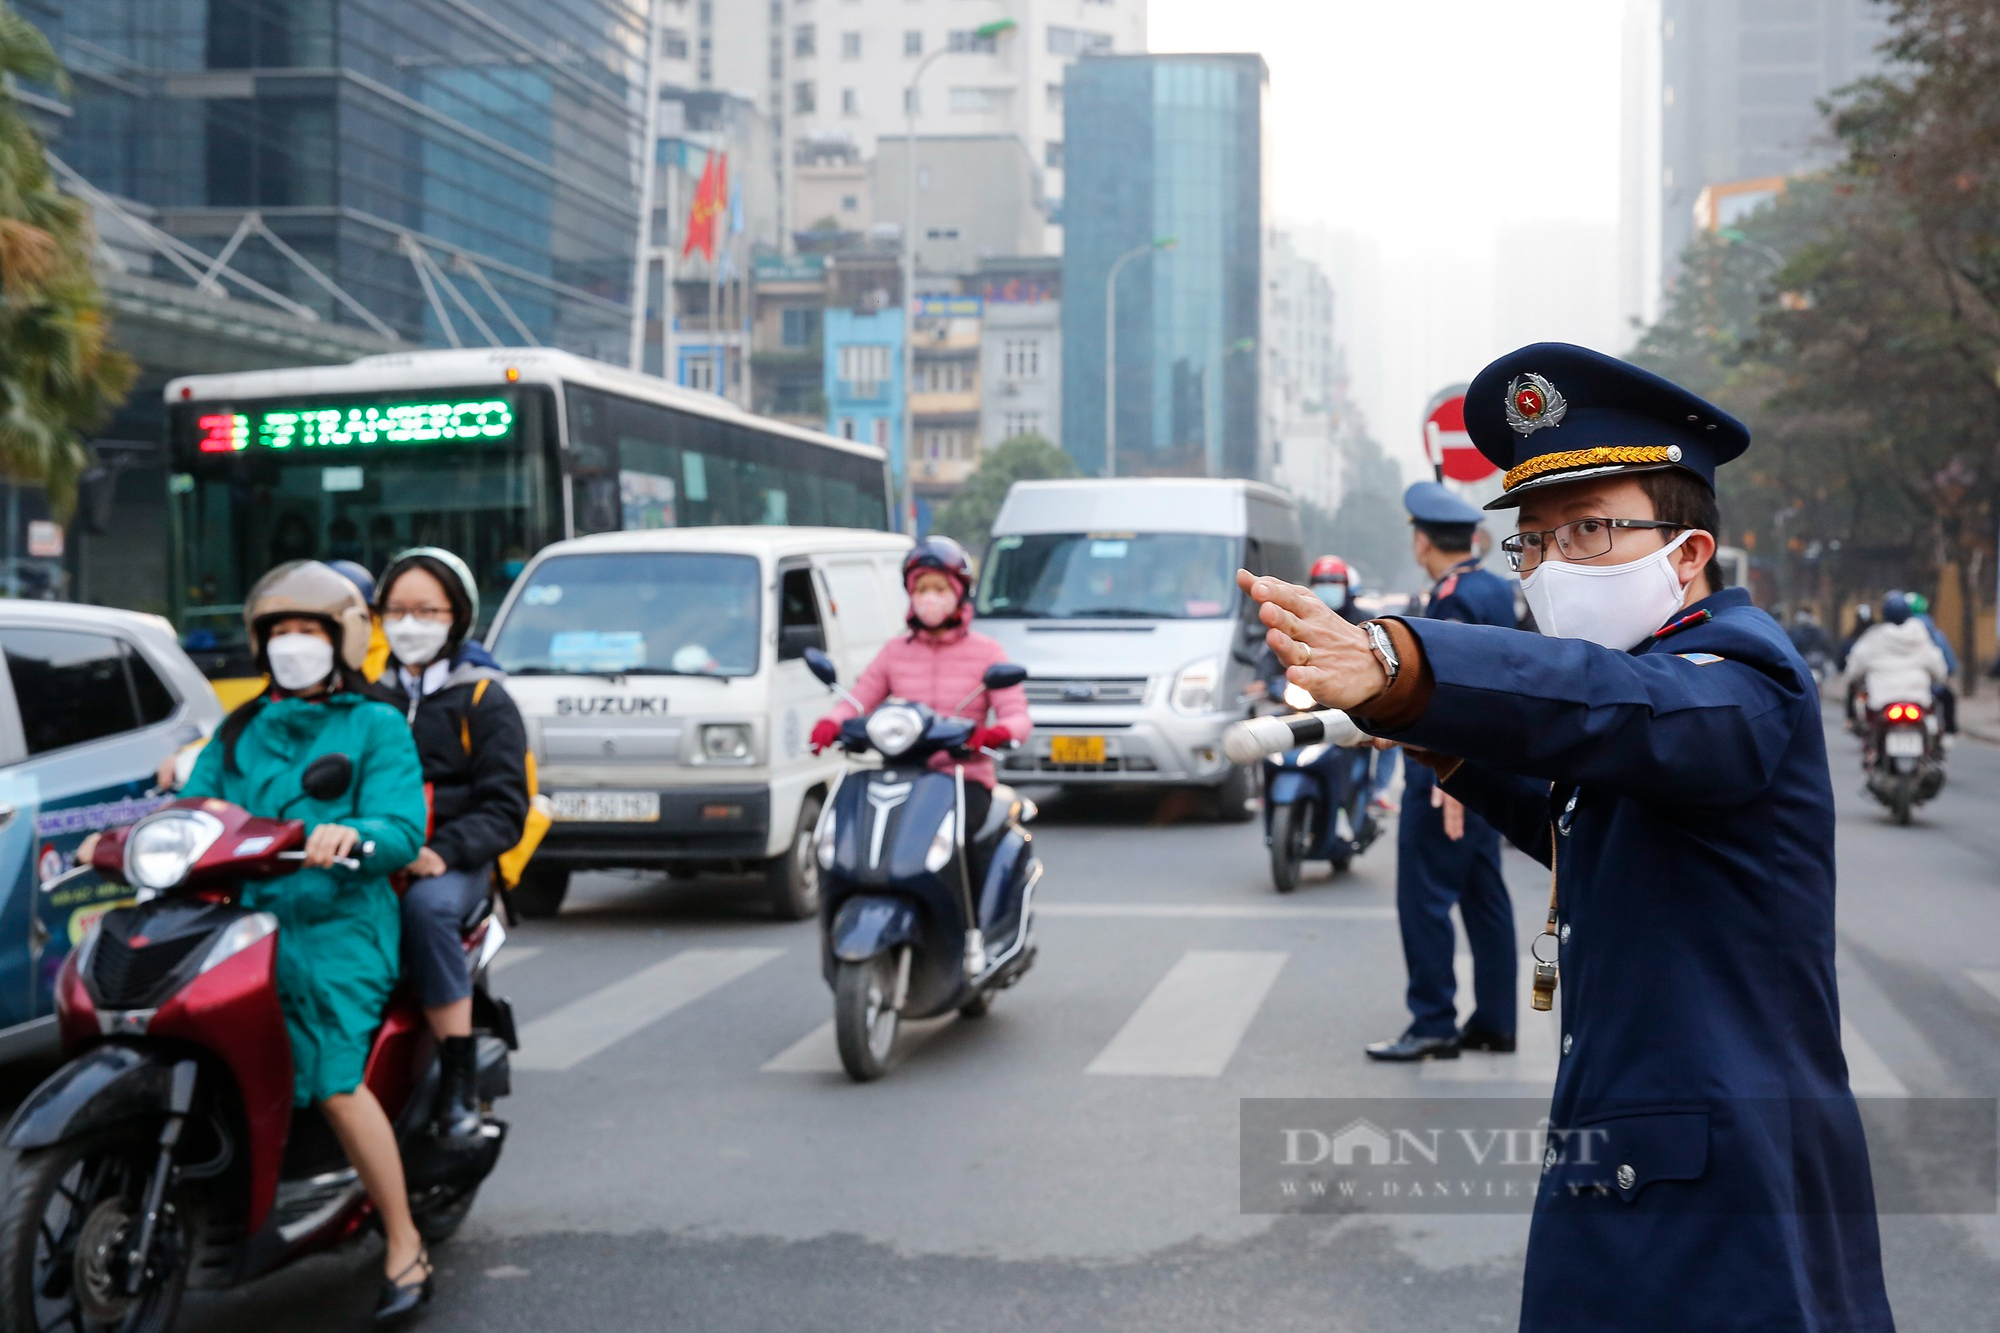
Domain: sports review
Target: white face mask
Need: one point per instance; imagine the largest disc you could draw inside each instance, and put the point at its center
(415, 642)
(1333, 594)
(299, 661)
(933, 608)
(1612, 605)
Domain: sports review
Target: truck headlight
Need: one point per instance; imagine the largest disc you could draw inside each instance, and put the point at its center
(943, 844)
(1197, 687)
(894, 728)
(162, 848)
(725, 742)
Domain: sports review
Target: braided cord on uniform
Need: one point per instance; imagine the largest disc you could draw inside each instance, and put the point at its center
(1604, 453)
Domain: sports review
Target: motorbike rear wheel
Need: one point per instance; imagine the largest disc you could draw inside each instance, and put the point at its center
(864, 1022)
(68, 1214)
(1291, 835)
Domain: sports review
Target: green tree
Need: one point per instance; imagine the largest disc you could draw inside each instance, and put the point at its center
(59, 376)
(969, 517)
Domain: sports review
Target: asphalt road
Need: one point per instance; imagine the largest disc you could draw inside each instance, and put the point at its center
(1071, 1161)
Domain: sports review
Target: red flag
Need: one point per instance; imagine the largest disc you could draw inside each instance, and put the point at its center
(710, 199)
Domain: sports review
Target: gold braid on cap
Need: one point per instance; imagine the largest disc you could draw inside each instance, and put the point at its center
(1602, 454)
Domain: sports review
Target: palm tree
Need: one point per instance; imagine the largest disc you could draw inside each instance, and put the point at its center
(59, 376)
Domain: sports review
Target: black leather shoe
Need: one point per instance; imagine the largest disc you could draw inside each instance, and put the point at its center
(1479, 1039)
(1410, 1046)
(458, 1089)
(399, 1298)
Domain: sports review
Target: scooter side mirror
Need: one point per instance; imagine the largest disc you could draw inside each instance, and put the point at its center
(821, 666)
(327, 777)
(1004, 676)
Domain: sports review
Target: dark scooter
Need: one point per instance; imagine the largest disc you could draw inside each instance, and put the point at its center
(166, 1154)
(1316, 809)
(904, 931)
(1902, 756)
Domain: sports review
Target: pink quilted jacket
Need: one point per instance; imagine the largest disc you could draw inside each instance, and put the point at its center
(927, 669)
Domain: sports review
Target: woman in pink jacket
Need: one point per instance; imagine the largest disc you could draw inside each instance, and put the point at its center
(942, 663)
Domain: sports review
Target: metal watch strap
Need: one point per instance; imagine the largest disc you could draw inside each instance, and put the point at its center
(1378, 639)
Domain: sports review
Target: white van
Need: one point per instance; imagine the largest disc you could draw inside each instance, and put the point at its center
(662, 679)
(1120, 598)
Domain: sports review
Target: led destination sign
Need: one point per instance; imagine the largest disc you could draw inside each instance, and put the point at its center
(355, 427)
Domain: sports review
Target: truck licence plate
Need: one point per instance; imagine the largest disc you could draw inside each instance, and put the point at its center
(1076, 749)
(1905, 744)
(607, 807)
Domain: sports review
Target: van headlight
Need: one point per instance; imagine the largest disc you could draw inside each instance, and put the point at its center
(162, 848)
(894, 728)
(725, 742)
(1197, 687)
(943, 843)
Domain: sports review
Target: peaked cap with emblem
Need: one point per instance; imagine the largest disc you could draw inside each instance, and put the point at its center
(1555, 412)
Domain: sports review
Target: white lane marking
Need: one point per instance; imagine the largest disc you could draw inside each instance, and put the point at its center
(1217, 911)
(1868, 1074)
(1986, 978)
(1190, 1025)
(510, 955)
(580, 1029)
(817, 1053)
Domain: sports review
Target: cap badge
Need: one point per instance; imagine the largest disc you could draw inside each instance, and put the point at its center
(1532, 403)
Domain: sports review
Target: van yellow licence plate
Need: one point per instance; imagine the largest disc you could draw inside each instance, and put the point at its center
(1076, 749)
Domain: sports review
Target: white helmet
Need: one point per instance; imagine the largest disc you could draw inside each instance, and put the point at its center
(309, 588)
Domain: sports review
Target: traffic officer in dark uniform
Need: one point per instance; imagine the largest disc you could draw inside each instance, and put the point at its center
(1445, 855)
(1661, 749)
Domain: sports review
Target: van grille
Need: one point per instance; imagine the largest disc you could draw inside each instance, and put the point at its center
(1129, 691)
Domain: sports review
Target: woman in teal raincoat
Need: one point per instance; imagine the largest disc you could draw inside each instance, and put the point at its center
(339, 930)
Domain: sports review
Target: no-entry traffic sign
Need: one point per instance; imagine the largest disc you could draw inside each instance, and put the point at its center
(1445, 440)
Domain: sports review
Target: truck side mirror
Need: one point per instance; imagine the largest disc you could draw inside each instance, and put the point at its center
(821, 666)
(1004, 676)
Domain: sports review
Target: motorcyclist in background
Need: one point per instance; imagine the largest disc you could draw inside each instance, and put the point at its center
(1894, 662)
(1333, 582)
(941, 663)
(1946, 695)
(474, 748)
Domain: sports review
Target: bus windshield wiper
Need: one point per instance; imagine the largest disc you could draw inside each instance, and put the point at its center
(1117, 613)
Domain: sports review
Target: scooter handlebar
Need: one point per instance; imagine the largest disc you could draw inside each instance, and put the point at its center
(1248, 741)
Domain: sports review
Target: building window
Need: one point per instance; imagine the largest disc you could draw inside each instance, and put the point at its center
(912, 102)
(981, 101)
(850, 102)
(850, 203)
(949, 377)
(700, 365)
(799, 326)
(864, 368)
(1021, 358)
(847, 428)
(948, 444)
(850, 46)
(1014, 424)
(1077, 42)
(1052, 153)
(804, 45)
(913, 43)
(804, 99)
(1054, 94)
(881, 432)
(674, 44)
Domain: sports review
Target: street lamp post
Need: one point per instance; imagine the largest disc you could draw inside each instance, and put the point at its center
(985, 32)
(1111, 346)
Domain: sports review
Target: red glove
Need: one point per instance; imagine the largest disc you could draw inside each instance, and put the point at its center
(990, 738)
(825, 731)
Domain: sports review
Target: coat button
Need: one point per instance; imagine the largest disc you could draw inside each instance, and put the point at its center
(1549, 1158)
(1565, 933)
(1567, 1039)
(1626, 1175)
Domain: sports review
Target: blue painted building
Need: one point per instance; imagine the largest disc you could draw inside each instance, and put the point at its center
(864, 379)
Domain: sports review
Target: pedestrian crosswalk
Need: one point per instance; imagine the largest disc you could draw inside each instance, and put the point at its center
(1189, 1024)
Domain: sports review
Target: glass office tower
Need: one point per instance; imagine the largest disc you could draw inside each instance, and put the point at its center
(502, 135)
(1165, 146)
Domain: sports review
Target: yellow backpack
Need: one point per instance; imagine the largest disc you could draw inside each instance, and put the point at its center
(510, 863)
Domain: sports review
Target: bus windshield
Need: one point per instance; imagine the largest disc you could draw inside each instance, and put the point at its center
(1110, 575)
(645, 613)
(356, 479)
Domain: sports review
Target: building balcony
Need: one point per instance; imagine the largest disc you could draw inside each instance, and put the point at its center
(856, 391)
(964, 402)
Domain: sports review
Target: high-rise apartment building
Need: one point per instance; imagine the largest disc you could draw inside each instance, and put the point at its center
(1740, 82)
(1166, 147)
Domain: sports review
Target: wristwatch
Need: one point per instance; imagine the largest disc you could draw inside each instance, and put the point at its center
(1385, 648)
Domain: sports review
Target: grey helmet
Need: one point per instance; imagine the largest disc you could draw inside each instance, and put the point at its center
(446, 568)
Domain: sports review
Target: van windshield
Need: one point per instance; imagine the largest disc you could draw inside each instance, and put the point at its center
(645, 613)
(1117, 575)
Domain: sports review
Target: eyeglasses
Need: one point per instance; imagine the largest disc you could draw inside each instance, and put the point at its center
(434, 614)
(1580, 539)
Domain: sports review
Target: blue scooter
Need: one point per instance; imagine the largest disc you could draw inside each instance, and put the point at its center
(904, 932)
(1316, 806)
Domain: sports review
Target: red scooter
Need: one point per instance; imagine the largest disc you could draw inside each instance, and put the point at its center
(166, 1154)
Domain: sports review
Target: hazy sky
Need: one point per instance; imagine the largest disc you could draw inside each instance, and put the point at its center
(1427, 126)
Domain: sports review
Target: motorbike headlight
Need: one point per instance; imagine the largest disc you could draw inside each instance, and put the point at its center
(944, 843)
(162, 848)
(1297, 696)
(238, 936)
(823, 840)
(894, 728)
(726, 742)
(1196, 687)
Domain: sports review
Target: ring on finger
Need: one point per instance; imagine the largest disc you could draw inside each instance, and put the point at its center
(1307, 660)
